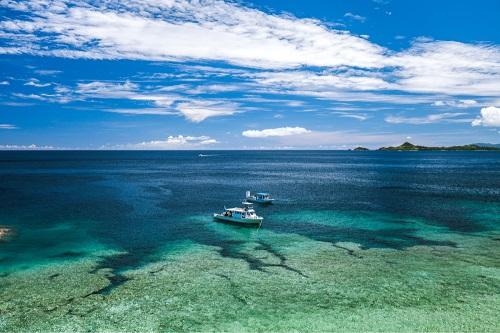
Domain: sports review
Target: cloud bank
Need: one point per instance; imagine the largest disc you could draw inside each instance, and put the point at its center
(181, 30)
(26, 147)
(171, 142)
(215, 30)
(429, 119)
(280, 131)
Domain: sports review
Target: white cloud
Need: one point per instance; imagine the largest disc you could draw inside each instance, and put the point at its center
(125, 90)
(214, 88)
(57, 97)
(143, 111)
(427, 68)
(36, 83)
(164, 102)
(355, 116)
(29, 96)
(199, 110)
(48, 72)
(490, 117)
(206, 71)
(448, 67)
(280, 131)
(346, 95)
(352, 115)
(16, 104)
(4, 83)
(429, 119)
(335, 139)
(7, 126)
(255, 99)
(25, 147)
(181, 30)
(172, 142)
(463, 103)
(355, 17)
(325, 81)
(344, 84)
(107, 89)
(195, 110)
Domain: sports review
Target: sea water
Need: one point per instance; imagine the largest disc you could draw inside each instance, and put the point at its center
(372, 241)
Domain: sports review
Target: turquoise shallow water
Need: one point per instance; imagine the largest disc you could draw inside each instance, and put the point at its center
(372, 241)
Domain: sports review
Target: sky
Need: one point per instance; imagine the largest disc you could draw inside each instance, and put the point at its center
(275, 74)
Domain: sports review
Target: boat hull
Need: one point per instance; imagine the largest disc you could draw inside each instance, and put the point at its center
(236, 221)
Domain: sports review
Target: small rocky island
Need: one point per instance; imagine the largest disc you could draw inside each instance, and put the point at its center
(411, 147)
(4, 232)
(361, 149)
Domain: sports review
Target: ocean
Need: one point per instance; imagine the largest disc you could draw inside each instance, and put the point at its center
(356, 241)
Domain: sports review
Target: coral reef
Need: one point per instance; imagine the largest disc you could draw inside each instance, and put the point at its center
(269, 281)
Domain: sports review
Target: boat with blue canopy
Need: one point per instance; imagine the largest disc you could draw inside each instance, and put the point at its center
(259, 197)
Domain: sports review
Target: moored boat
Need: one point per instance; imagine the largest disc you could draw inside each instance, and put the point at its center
(259, 197)
(240, 215)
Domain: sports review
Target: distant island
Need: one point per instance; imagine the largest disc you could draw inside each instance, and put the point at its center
(488, 145)
(407, 146)
(411, 147)
(361, 149)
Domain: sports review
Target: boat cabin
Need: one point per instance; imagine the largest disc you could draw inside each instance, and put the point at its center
(241, 213)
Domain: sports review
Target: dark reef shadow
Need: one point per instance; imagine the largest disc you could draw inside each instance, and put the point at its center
(117, 263)
(397, 239)
(228, 249)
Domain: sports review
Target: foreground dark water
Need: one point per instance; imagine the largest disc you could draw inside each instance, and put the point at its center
(399, 240)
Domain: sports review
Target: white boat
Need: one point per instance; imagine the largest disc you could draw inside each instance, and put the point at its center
(242, 216)
(259, 197)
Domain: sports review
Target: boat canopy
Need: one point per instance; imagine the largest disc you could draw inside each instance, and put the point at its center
(264, 194)
(239, 210)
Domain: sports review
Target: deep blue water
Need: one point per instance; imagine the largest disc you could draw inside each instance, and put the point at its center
(59, 203)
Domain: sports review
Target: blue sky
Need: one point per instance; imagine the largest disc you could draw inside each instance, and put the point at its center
(177, 74)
